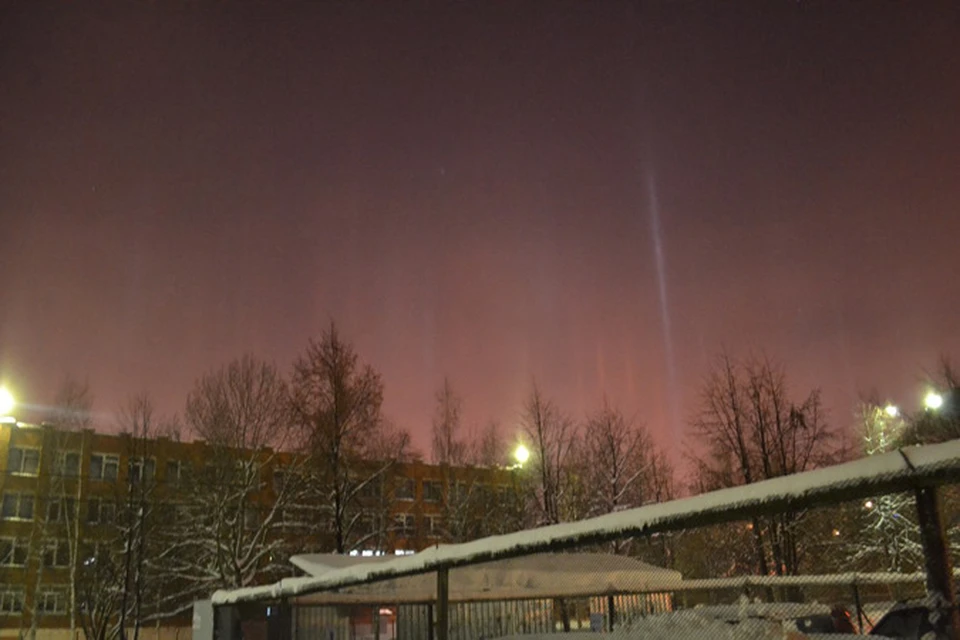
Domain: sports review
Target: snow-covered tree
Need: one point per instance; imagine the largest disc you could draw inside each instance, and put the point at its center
(117, 586)
(227, 529)
(618, 466)
(888, 538)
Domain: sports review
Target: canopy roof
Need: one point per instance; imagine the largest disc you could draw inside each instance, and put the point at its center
(537, 576)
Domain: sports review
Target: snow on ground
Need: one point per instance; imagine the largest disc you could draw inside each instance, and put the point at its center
(867, 474)
(687, 625)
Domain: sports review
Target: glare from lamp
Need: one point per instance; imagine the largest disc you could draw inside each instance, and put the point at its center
(521, 454)
(891, 410)
(7, 403)
(933, 401)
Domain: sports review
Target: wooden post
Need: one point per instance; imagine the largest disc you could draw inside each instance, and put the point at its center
(946, 621)
(443, 603)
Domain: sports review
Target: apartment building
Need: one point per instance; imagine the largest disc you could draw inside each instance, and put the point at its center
(66, 494)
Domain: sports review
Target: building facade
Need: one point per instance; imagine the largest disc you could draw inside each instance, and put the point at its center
(95, 526)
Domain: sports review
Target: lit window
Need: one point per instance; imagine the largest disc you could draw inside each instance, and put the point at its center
(18, 506)
(24, 461)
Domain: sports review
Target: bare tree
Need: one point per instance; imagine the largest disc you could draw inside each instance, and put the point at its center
(336, 402)
(115, 579)
(447, 447)
(223, 534)
(551, 435)
(750, 429)
(488, 449)
(619, 452)
(58, 523)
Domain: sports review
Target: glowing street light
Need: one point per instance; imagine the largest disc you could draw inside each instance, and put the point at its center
(521, 454)
(868, 504)
(7, 403)
(891, 410)
(933, 401)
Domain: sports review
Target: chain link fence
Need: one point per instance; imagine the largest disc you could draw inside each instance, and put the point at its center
(775, 562)
(552, 595)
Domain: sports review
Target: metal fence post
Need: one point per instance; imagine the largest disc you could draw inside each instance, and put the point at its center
(859, 605)
(443, 603)
(611, 610)
(937, 561)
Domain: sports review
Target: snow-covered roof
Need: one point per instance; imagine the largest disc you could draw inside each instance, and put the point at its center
(893, 471)
(535, 576)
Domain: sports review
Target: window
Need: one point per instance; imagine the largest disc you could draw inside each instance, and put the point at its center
(142, 469)
(104, 466)
(13, 552)
(406, 524)
(370, 490)
(51, 602)
(57, 554)
(432, 491)
(101, 511)
(174, 469)
(24, 461)
(18, 506)
(406, 489)
(278, 480)
(11, 600)
(61, 510)
(433, 526)
(458, 492)
(68, 464)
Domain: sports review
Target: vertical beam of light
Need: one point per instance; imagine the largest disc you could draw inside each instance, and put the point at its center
(666, 327)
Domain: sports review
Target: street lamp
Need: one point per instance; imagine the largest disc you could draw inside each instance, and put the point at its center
(7, 403)
(521, 454)
(933, 401)
(891, 410)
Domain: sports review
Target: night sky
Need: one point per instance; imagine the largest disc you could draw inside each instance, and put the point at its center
(597, 195)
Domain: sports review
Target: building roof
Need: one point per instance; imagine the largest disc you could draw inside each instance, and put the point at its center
(537, 576)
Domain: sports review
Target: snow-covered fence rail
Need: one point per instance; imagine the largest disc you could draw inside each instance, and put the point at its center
(913, 468)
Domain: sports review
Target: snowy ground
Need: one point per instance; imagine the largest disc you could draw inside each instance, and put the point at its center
(690, 625)
(742, 621)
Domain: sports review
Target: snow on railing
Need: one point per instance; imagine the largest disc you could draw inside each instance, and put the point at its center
(898, 470)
